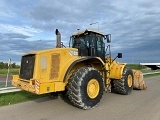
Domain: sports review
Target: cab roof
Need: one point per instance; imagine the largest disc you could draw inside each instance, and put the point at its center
(87, 31)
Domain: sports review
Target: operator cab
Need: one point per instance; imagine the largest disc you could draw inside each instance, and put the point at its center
(89, 43)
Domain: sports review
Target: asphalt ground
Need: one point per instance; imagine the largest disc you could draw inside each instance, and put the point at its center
(3, 80)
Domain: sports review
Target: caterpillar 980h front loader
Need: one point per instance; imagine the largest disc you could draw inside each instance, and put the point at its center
(84, 70)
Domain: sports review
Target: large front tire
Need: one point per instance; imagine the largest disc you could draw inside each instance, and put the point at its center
(85, 88)
(125, 85)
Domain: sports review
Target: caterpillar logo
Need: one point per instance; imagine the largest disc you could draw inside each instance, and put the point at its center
(73, 53)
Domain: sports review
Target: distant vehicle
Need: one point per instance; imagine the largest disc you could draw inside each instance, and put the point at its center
(153, 66)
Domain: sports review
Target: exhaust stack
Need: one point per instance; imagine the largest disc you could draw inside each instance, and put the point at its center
(58, 39)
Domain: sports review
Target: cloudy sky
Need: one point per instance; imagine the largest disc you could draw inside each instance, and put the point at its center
(27, 25)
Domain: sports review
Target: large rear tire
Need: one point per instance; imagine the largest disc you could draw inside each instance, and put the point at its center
(85, 88)
(125, 85)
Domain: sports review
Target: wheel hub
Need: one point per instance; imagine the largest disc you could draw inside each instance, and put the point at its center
(130, 81)
(93, 88)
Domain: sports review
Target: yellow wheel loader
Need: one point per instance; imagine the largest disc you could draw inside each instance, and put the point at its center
(84, 70)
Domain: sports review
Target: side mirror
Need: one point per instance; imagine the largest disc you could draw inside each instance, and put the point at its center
(119, 55)
(108, 37)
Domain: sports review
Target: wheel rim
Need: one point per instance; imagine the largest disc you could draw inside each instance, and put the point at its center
(93, 88)
(129, 81)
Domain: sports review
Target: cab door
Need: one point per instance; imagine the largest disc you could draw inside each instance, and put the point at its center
(100, 47)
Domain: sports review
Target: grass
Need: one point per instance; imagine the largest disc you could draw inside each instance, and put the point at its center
(151, 75)
(17, 97)
(12, 71)
(136, 66)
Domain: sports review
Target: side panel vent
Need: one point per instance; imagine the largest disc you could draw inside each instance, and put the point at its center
(55, 62)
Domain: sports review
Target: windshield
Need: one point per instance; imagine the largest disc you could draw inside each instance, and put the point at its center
(93, 40)
(75, 42)
(90, 44)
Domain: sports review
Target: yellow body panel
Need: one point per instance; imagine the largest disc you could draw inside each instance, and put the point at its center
(49, 69)
(41, 89)
(51, 65)
(23, 85)
(116, 70)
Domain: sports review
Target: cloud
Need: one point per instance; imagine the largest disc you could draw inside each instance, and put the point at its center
(13, 36)
(5, 12)
(25, 30)
(14, 49)
(134, 25)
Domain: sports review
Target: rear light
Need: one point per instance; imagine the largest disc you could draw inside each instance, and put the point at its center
(33, 82)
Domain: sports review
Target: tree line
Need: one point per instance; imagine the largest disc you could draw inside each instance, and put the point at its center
(5, 65)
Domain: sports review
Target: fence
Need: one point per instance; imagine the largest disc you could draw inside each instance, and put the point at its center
(9, 89)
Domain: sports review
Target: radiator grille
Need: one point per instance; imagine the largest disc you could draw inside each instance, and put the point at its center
(55, 61)
(27, 67)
